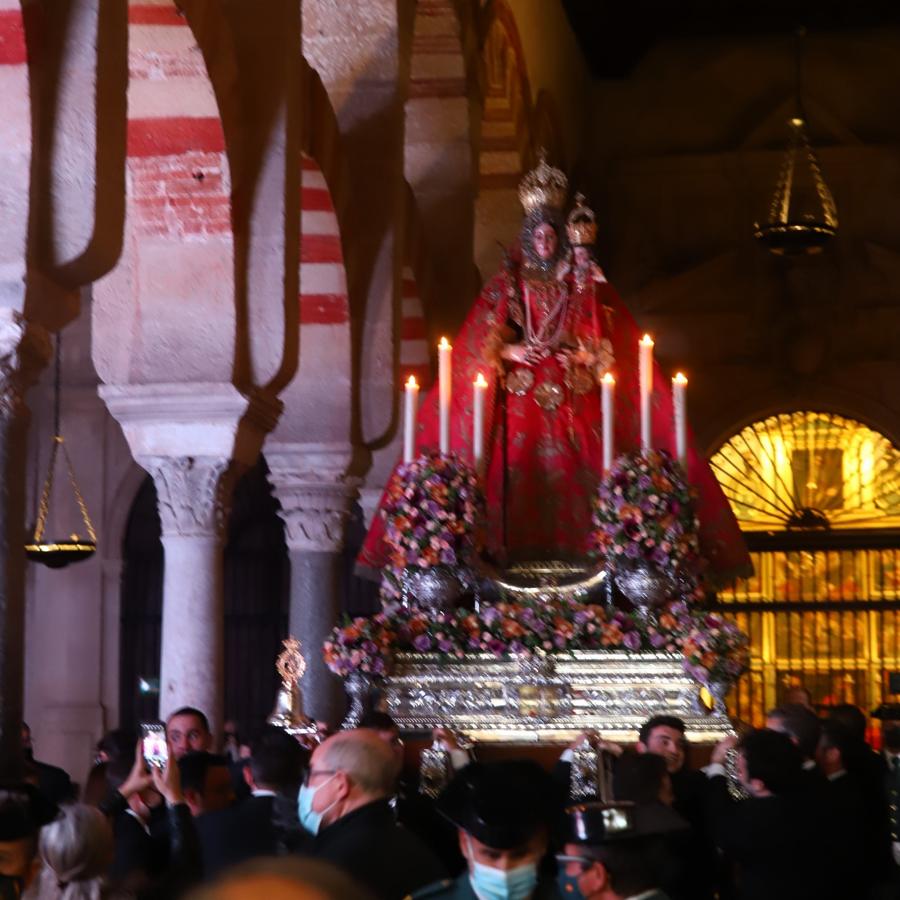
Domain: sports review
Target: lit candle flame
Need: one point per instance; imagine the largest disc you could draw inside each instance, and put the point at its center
(646, 340)
(411, 382)
(480, 381)
(444, 344)
(679, 378)
(608, 378)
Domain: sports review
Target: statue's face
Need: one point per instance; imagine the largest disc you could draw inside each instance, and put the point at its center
(544, 241)
(581, 255)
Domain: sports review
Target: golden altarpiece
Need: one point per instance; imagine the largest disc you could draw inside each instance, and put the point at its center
(818, 498)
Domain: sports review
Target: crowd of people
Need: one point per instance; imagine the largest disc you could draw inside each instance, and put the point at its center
(803, 808)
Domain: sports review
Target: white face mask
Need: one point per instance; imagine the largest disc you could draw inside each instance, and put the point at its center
(501, 884)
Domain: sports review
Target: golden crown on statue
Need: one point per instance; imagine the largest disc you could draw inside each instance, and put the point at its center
(581, 226)
(543, 186)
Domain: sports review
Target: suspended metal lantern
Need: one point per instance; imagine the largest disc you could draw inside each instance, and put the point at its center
(802, 215)
(60, 552)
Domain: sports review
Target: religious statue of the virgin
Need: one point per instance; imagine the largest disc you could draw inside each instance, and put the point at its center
(544, 331)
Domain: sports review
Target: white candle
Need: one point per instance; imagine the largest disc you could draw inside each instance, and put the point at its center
(679, 402)
(479, 388)
(646, 375)
(410, 409)
(444, 386)
(608, 387)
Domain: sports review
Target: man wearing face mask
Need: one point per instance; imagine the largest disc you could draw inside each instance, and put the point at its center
(502, 812)
(616, 851)
(345, 803)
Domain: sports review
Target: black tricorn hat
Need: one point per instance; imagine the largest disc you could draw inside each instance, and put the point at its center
(601, 823)
(24, 810)
(502, 804)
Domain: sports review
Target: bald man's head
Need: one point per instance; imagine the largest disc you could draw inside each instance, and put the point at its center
(284, 879)
(363, 756)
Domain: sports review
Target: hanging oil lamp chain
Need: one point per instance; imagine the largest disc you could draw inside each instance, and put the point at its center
(57, 554)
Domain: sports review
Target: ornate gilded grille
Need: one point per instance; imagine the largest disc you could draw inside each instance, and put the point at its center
(817, 496)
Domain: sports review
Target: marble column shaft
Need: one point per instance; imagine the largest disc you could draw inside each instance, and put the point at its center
(192, 493)
(315, 497)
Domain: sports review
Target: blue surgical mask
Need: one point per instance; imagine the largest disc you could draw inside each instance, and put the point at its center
(309, 818)
(502, 884)
(567, 885)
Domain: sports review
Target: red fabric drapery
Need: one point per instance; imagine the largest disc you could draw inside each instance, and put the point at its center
(540, 507)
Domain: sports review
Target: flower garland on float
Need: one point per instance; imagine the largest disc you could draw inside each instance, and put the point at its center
(643, 514)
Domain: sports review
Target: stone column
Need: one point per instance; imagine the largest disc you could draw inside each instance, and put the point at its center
(315, 494)
(24, 349)
(193, 439)
(192, 497)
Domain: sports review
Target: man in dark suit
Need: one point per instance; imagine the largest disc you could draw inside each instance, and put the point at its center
(864, 847)
(137, 813)
(616, 852)
(414, 809)
(804, 728)
(52, 781)
(772, 837)
(891, 737)
(665, 736)
(345, 803)
(265, 824)
(156, 851)
(503, 812)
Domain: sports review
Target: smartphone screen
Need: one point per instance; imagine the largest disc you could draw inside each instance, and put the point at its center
(154, 746)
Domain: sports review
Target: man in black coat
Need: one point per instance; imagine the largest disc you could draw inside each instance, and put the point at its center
(772, 837)
(345, 803)
(852, 853)
(869, 771)
(665, 736)
(265, 824)
(53, 782)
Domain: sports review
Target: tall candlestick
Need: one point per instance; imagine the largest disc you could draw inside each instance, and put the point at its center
(445, 371)
(479, 388)
(410, 409)
(679, 403)
(646, 375)
(608, 387)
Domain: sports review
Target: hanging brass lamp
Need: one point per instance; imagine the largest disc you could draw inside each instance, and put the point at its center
(802, 215)
(58, 553)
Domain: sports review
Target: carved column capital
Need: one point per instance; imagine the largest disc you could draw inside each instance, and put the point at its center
(315, 493)
(193, 493)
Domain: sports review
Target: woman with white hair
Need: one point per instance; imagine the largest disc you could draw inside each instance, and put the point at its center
(76, 850)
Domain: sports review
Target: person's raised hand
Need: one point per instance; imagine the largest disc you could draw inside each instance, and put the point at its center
(168, 780)
(447, 738)
(584, 738)
(720, 751)
(138, 778)
(610, 747)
